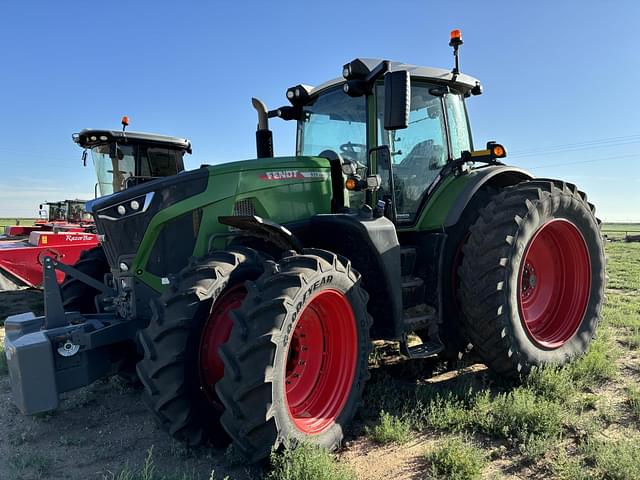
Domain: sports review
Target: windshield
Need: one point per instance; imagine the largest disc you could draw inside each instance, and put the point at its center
(118, 168)
(113, 166)
(334, 121)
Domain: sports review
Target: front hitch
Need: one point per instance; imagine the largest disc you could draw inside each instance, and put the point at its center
(62, 351)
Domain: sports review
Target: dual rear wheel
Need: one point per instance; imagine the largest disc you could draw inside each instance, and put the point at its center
(262, 357)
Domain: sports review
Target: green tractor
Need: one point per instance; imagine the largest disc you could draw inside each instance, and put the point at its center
(253, 289)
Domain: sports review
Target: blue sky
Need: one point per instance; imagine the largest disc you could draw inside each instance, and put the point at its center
(560, 80)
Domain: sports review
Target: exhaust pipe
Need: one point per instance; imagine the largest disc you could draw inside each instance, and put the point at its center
(264, 137)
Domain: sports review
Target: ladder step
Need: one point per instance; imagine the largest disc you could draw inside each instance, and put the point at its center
(413, 290)
(425, 350)
(407, 260)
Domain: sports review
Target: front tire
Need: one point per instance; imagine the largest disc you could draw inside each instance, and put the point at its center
(295, 364)
(181, 366)
(533, 277)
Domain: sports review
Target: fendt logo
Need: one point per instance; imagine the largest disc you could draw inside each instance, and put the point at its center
(282, 175)
(292, 175)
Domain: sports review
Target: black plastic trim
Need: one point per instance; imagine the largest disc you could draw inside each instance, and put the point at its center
(497, 175)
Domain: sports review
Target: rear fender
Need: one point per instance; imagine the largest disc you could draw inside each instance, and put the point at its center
(497, 176)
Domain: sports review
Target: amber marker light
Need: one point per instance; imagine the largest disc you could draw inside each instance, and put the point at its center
(499, 151)
(125, 121)
(351, 184)
(456, 35)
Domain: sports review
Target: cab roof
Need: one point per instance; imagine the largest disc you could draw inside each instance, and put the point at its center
(462, 82)
(89, 137)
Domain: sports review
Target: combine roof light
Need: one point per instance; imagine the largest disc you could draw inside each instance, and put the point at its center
(93, 138)
(290, 94)
(135, 205)
(121, 209)
(124, 267)
(104, 138)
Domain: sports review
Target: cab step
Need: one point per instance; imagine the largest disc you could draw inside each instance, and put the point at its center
(427, 349)
(407, 260)
(413, 290)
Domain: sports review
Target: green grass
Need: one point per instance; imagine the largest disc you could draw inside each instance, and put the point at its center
(519, 415)
(31, 465)
(148, 471)
(15, 221)
(624, 266)
(614, 459)
(306, 462)
(633, 400)
(552, 383)
(598, 365)
(456, 459)
(390, 429)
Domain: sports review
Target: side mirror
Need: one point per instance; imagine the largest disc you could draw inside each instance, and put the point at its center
(397, 99)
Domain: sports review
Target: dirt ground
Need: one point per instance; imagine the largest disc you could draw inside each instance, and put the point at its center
(100, 429)
(95, 433)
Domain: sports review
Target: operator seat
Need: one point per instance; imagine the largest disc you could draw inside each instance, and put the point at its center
(425, 155)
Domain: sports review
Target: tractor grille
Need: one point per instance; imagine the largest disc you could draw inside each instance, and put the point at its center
(244, 208)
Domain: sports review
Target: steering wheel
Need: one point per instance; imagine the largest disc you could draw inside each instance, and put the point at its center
(353, 150)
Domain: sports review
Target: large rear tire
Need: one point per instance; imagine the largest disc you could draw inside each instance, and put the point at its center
(181, 366)
(533, 277)
(295, 364)
(76, 295)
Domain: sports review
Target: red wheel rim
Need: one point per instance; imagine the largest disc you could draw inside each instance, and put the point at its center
(554, 283)
(321, 362)
(216, 331)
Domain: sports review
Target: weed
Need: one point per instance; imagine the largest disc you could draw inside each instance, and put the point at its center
(570, 468)
(614, 460)
(449, 413)
(456, 459)
(519, 414)
(390, 429)
(534, 447)
(598, 365)
(633, 400)
(35, 463)
(148, 471)
(552, 383)
(307, 462)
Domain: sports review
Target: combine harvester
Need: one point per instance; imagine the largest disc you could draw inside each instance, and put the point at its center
(121, 159)
(68, 215)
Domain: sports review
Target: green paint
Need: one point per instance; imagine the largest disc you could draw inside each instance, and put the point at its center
(281, 189)
(437, 208)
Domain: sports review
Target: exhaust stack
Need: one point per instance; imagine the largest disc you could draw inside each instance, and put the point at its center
(264, 137)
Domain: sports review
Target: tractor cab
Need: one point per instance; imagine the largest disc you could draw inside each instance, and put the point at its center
(124, 159)
(65, 211)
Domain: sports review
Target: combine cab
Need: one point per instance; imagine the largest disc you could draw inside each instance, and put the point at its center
(67, 215)
(121, 160)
